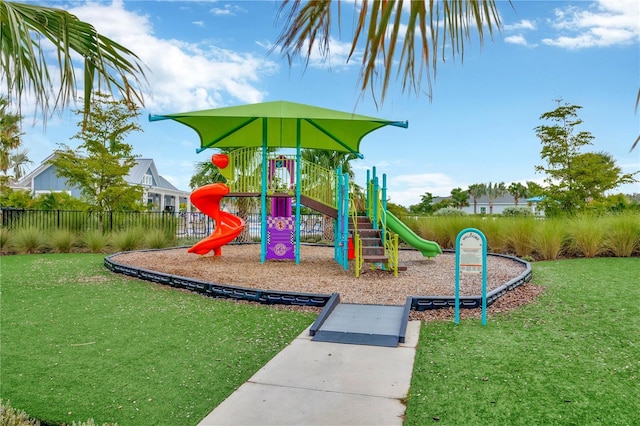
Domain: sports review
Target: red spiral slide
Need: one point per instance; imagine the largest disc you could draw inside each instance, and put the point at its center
(228, 227)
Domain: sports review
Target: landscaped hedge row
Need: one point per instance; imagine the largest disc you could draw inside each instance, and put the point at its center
(524, 237)
(540, 239)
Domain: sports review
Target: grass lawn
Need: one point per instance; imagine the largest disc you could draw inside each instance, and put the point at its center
(571, 358)
(79, 342)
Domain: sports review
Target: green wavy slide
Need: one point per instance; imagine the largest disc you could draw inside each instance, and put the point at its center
(426, 247)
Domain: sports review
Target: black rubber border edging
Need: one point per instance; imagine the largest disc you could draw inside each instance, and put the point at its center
(271, 297)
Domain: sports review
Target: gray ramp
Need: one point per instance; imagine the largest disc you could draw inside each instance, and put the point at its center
(376, 325)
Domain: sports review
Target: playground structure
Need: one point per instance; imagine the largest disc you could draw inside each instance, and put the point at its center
(370, 238)
(257, 167)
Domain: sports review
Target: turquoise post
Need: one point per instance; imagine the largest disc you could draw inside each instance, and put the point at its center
(366, 205)
(298, 189)
(263, 195)
(345, 222)
(337, 236)
(383, 213)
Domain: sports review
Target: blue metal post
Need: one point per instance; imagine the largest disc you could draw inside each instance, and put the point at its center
(298, 189)
(345, 222)
(263, 195)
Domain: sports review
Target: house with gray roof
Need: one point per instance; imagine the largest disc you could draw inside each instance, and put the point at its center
(157, 190)
(499, 204)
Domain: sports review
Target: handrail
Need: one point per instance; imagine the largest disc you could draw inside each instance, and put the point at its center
(244, 175)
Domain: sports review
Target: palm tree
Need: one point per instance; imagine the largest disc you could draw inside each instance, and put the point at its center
(476, 191)
(494, 191)
(106, 63)
(430, 29)
(19, 162)
(460, 198)
(517, 191)
(9, 134)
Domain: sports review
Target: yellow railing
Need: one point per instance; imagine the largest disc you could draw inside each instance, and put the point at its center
(318, 183)
(244, 174)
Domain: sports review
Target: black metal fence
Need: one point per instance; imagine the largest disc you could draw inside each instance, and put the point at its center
(181, 224)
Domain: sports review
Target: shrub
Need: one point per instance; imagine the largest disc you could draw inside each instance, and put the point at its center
(9, 416)
(128, 240)
(517, 211)
(61, 240)
(28, 240)
(623, 236)
(549, 238)
(450, 211)
(95, 241)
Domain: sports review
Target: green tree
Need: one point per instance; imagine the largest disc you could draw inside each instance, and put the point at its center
(425, 205)
(103, 159)
(534, 189)
(58, 201)
(10, 135)
(476, 191)
(429, 28)
(517, 191)
(105, 63)
(460, 198)
(561, 144)
(595, 173)
(18, 199)
(573, 178)
(494, 191)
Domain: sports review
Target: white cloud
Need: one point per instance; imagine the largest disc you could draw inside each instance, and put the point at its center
(524, 24)
(182, 76)
(516, 39)
(408, 189)
(226, 10)
(605, 23)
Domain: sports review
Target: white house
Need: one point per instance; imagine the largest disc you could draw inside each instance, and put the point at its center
(499, 204)
(157, 190)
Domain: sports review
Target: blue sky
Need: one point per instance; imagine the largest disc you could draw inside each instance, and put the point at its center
(477, 128)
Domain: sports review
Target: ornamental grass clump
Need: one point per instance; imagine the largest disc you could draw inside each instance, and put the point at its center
(157, 239)
(623, 236)
(128, 240)
(61, 240)
(5, 240)
(28, 240)
(586, 235)
(519, 233)
(549, 238)
(496, 235)
(95, 241)
(447, 228)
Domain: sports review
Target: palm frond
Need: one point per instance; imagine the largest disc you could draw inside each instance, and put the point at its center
(107, 64)
(440, 23)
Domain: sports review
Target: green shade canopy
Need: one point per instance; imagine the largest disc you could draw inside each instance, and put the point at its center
(242, 126)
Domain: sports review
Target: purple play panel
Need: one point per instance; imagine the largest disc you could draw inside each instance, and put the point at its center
(281, 238)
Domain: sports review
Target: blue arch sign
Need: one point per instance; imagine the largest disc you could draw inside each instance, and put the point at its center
(471, 258)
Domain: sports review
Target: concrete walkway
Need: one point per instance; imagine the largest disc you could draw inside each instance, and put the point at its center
(319, 383)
